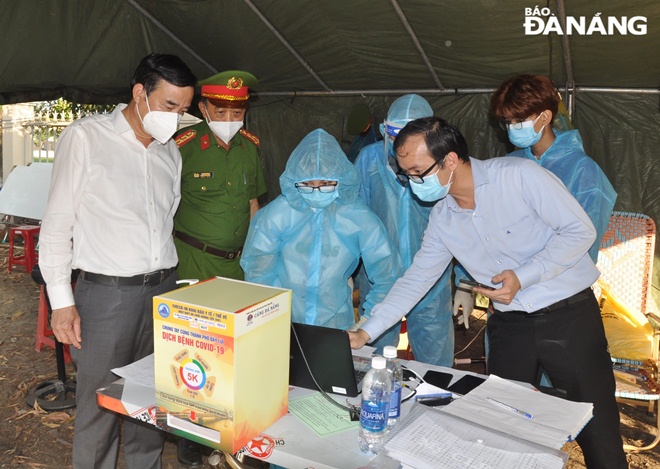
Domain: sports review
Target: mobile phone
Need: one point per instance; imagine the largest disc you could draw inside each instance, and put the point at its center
(466, 384)
(472, 283)
(438, 378)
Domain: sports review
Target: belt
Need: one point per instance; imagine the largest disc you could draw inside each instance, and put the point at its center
(565, 303)
(146, 280)
(202, 246)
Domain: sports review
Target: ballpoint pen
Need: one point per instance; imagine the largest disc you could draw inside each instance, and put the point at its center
(511, 408)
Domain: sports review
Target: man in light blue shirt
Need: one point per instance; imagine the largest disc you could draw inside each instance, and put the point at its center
(515, 228)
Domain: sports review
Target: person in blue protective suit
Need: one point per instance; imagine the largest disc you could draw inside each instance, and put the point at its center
(360, 123)
(430, 325)
(526, 106)
(311, 238)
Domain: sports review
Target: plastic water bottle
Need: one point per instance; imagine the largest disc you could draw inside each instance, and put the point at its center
(375, 407)
(396, 376)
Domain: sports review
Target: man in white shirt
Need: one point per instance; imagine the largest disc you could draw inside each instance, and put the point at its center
(114, 191)
(515, 228)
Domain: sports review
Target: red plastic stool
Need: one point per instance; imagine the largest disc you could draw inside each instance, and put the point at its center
(44, 332)
(30, 234)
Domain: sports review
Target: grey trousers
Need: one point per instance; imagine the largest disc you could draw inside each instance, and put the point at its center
(117, 329)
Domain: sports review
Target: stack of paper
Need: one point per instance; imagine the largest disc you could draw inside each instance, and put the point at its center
(428, 438)
(499, 424)
(553, 422)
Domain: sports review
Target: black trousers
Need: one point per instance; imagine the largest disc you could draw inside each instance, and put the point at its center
(570, 345)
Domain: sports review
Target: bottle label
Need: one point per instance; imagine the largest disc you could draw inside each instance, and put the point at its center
(395, 403)
(373, 416)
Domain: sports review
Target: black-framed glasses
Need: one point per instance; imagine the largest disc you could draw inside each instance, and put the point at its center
(325, 188)
(416, 178)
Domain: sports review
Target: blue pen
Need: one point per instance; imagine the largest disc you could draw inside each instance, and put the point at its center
(511, 408)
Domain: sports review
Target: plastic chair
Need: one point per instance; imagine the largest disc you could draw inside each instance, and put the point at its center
(30, 257)
(625, 260)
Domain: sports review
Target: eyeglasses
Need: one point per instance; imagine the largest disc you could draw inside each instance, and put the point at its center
(325, 188)
(416, 178)
(506, 124)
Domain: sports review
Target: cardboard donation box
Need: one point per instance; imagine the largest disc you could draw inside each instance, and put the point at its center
(222, 360)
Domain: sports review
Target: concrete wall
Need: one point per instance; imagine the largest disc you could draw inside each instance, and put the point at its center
(14, 136)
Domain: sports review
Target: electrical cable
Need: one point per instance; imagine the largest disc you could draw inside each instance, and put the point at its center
(474, 338)
(404, 383)
(352, 409)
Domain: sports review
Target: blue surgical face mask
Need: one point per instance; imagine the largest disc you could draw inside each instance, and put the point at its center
(320, 199)
(526, 136)
(431, 190)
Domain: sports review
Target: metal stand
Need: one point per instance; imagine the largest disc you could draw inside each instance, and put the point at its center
(55, 394)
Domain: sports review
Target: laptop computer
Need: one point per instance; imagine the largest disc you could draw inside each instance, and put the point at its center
(328, 353)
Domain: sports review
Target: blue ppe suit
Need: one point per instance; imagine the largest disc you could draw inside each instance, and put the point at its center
(430, 324)
(582, 177)
(313, 252)
(361, 141)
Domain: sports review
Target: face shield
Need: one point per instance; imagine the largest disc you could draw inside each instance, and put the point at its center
(403, 110)
(390, 130)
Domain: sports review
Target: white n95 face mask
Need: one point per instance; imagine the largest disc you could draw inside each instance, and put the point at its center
(225, 130)
(159, 124)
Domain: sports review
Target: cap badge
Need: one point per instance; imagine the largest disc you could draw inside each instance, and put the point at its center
(234, 83)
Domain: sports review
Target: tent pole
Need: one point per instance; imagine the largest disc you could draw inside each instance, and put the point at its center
(286, 44)
(384, 92)
(444, 92)
(597, 89)
(171, 35)
(419, 47)
(568, 61)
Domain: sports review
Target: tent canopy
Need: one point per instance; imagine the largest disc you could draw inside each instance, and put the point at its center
(316, 59)
(87, 51)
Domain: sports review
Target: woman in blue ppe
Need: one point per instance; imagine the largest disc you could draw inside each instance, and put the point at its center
(311, 238)
(430, 326)
(526, 105)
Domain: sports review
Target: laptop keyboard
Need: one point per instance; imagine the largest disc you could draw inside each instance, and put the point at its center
(359, 374)
(361, 366)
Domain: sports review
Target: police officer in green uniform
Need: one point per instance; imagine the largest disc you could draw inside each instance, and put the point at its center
(222, 178)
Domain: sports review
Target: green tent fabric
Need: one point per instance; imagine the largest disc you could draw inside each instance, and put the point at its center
(86, 50)
(316, 59)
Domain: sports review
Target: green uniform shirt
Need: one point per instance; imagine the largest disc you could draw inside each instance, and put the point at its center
(216, 188)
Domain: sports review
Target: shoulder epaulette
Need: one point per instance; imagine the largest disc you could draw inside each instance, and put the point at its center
(253, 138)
(185, 137)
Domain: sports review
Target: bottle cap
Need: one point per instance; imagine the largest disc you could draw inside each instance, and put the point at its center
(389, 351)
(378, 363)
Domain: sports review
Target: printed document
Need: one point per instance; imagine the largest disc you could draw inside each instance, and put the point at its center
(428, 438)
(522, 412)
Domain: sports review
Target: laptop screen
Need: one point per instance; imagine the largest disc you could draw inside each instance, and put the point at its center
(326, 352)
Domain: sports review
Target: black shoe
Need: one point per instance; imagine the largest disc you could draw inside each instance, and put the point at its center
(189, 453)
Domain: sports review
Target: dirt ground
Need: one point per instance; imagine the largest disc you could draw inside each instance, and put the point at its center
(32, 438)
